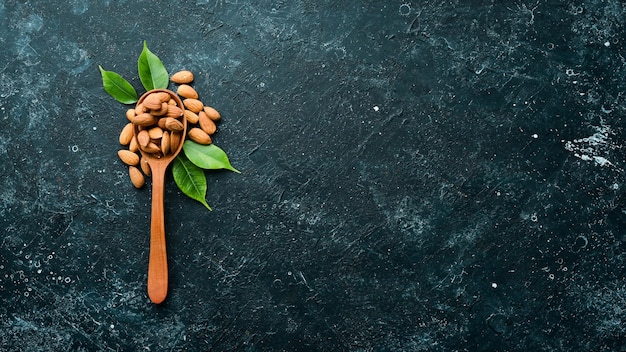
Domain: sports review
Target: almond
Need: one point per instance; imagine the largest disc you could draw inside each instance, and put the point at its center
(130, 113)
(212, 113)
(152, 102)
(164, 121)
(191, 116)
(155, 133)
(136, 177)
(199, 136)
(171, 102)
(162, 111)
(151, 148)
(173, 124)
(181, 77)
(206, 124)
(134, 145)
(165, 143)
(161, 123)
(139, 109)
(128, 157)
(145, 167)
(186, 91)
(164, 97)
(143, 138)
(174, 111)
(194, 105)
(127, 134)
(174, 140)
(144, 119)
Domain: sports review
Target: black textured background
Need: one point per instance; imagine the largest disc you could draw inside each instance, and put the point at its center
(416, 176)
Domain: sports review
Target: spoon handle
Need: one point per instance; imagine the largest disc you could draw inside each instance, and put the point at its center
(157, 265)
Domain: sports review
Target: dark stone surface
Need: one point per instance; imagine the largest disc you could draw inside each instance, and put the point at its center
(416, 176)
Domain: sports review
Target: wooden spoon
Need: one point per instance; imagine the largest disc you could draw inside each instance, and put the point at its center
(157, 265)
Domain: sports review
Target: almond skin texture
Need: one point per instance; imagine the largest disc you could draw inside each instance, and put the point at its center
(199, 136)
(143, 138)
(152, 102)
(194, 105)
(151, 148)
(173, 125)
(186, 91)
(161, 123)
(191, 116)
(182, 77)
(174, 111)
(174, 141)
(212, 113)
(206, 123)
(136, 177)
(129, 158)
(130, 113)
(170, 124)
(162, 111)
(144, 119)
(127, 134)
(145, 167)
(155, 133)
(134, 145)
(139, 109)
(164, 97)
(165, 143)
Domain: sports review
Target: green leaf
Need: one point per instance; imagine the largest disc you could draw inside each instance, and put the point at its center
(209, 157)
(190, 179)
(118, 87)
(152, 72)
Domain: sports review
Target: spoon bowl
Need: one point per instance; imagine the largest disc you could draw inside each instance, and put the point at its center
(157, 264)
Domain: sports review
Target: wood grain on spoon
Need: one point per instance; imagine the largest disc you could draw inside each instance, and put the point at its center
(159, 162)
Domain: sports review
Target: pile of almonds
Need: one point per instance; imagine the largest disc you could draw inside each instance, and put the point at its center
(158, 120)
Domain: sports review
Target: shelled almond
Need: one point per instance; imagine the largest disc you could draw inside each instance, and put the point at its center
(212, 113)
(186, 91)
(129, 158)
(206, 124)
(191, 116)
(136, 177)
(199, 136)
(182, 77)
(145, 167)
(126, 136)
(194, 105)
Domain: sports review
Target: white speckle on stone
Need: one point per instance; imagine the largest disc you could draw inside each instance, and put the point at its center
(376, 108)
(602, 161)
(494, 285)
(588, 148)
(535, 136)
